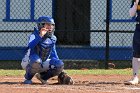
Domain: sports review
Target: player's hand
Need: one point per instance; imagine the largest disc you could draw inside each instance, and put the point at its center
(136, 2)
(43, 31)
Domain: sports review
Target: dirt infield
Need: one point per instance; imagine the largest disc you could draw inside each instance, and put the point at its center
(83, 84)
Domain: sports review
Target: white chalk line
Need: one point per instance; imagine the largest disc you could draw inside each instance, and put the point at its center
(130, 88)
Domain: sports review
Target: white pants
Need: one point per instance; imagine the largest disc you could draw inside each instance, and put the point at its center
(25, 62)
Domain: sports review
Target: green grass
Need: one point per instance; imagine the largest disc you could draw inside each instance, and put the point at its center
(101, 72)
(74, 72)
(11, 72)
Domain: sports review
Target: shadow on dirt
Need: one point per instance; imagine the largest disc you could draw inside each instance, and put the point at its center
(76, 83)
(9, 83)
(96, 83)
(112, 83)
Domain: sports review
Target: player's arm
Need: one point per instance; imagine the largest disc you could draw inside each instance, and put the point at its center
(133, 9)
(34, 39)
(54, 53)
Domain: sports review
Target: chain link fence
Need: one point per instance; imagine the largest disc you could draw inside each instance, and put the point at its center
(81, 29)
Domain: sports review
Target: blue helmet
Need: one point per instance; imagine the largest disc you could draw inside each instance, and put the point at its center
(44, 19)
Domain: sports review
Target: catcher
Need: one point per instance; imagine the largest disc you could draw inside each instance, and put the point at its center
(41, 57)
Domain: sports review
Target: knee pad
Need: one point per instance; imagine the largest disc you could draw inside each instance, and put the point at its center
(56, 66)
(56, 63)
(24, 63)
(25, 60)
(28, 75)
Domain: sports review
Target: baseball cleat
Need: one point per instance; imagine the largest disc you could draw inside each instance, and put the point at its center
(27, 82)
(38, 76)
(134, 81)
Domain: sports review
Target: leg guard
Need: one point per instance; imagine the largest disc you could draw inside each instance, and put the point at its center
(31, 70)
(28, 75)
(56, 67)
(25, 60)
(33, 67)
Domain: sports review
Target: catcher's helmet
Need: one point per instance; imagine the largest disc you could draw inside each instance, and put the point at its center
(43, 20)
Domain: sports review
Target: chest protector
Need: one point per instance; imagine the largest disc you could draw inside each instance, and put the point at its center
(44, 48)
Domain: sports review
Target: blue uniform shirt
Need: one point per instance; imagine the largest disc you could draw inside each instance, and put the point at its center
(42, 48)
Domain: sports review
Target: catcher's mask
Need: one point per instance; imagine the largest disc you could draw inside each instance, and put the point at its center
(45, 20)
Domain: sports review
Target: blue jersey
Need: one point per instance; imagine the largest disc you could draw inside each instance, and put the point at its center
(43, 47)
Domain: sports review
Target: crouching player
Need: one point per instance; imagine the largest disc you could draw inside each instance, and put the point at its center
(41, 58)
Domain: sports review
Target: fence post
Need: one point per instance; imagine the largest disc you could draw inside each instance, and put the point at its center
(107, 33)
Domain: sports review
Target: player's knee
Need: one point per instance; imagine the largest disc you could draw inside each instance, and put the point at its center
(25, 61)
(56, 65)
(24, 64)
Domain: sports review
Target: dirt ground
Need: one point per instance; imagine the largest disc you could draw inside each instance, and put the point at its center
(83, 84)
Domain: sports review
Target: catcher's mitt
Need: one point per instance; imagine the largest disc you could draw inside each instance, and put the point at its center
(63, 78)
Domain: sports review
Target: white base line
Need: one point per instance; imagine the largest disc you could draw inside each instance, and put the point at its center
(131, 88)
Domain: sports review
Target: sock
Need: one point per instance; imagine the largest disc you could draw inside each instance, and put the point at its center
(135, 66)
